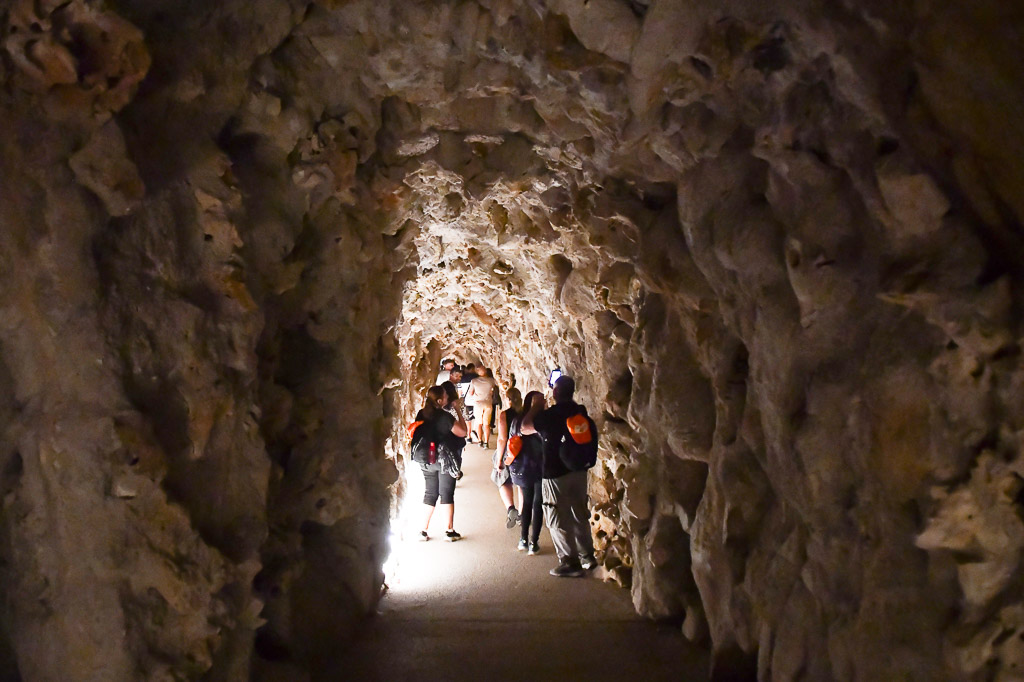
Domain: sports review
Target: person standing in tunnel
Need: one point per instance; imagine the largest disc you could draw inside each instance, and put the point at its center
(499, 472)
(457, 409)
(496, 403)
(526, 469)
(446, 371)
(480, 396)
(566, 509)
(440, 486)
(461, 382)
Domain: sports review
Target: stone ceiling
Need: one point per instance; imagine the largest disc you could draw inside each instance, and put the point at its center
(779, 245)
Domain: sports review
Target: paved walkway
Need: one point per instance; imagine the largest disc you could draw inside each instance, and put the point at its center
(478, 609)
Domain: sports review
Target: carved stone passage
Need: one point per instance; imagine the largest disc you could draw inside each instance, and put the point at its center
(778, 244)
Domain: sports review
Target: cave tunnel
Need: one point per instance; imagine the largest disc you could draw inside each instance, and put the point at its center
(779, 245)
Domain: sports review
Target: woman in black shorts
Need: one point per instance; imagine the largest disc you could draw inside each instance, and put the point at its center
(450, 428)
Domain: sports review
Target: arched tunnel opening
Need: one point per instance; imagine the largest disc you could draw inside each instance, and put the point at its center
(778, 246)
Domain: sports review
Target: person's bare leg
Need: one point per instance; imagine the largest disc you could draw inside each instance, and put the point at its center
(450, 511)
(505, 492)
(485, 425)
(508, 499)
(428, 510)
(478, 427)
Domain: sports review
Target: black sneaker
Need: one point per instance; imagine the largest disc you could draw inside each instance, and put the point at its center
(511, 518)
(452, 536)
(567, 570)
(423, 536)
(588, 562)
(534, 548)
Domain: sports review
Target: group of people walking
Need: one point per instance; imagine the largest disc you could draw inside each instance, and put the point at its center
(542, 452)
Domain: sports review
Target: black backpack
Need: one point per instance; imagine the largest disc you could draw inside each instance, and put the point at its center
(526, 468)
(577, 455)
(423, 436)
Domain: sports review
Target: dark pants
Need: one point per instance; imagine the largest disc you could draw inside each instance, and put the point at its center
(437, 485)
(531, 512)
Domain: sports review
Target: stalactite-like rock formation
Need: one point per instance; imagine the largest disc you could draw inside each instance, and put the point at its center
(780, 247)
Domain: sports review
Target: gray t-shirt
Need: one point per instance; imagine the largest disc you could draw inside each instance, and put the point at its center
(480, 390)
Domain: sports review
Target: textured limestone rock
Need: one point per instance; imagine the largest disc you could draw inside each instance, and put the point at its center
(778, 245)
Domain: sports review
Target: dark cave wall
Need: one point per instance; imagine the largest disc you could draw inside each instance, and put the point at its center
(780, 243)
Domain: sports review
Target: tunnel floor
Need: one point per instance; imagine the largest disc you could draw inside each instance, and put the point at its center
(479, 609)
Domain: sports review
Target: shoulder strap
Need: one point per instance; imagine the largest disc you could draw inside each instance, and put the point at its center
(517, 423)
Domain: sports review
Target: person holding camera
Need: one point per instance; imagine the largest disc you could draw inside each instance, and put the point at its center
(564, 489)
(449, 427)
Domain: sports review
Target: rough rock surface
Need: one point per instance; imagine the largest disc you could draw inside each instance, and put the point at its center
(778, 243)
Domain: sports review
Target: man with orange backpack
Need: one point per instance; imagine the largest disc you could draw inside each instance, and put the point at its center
(570, 448)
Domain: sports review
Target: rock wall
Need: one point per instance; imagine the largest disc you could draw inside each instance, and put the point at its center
(779, 247)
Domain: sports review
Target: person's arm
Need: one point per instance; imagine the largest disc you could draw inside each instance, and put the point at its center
(502, 437)
(459, 428)
(527, 426)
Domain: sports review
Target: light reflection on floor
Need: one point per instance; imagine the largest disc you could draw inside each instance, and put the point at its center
(413, 564)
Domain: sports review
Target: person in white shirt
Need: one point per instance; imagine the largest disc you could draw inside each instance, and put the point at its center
(479, 396)
(446, 372)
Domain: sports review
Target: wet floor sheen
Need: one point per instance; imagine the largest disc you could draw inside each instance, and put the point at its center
(478, 609)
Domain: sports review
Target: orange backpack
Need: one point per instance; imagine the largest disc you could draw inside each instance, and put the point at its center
(512, 450)
(579, 428)
(578, 447)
